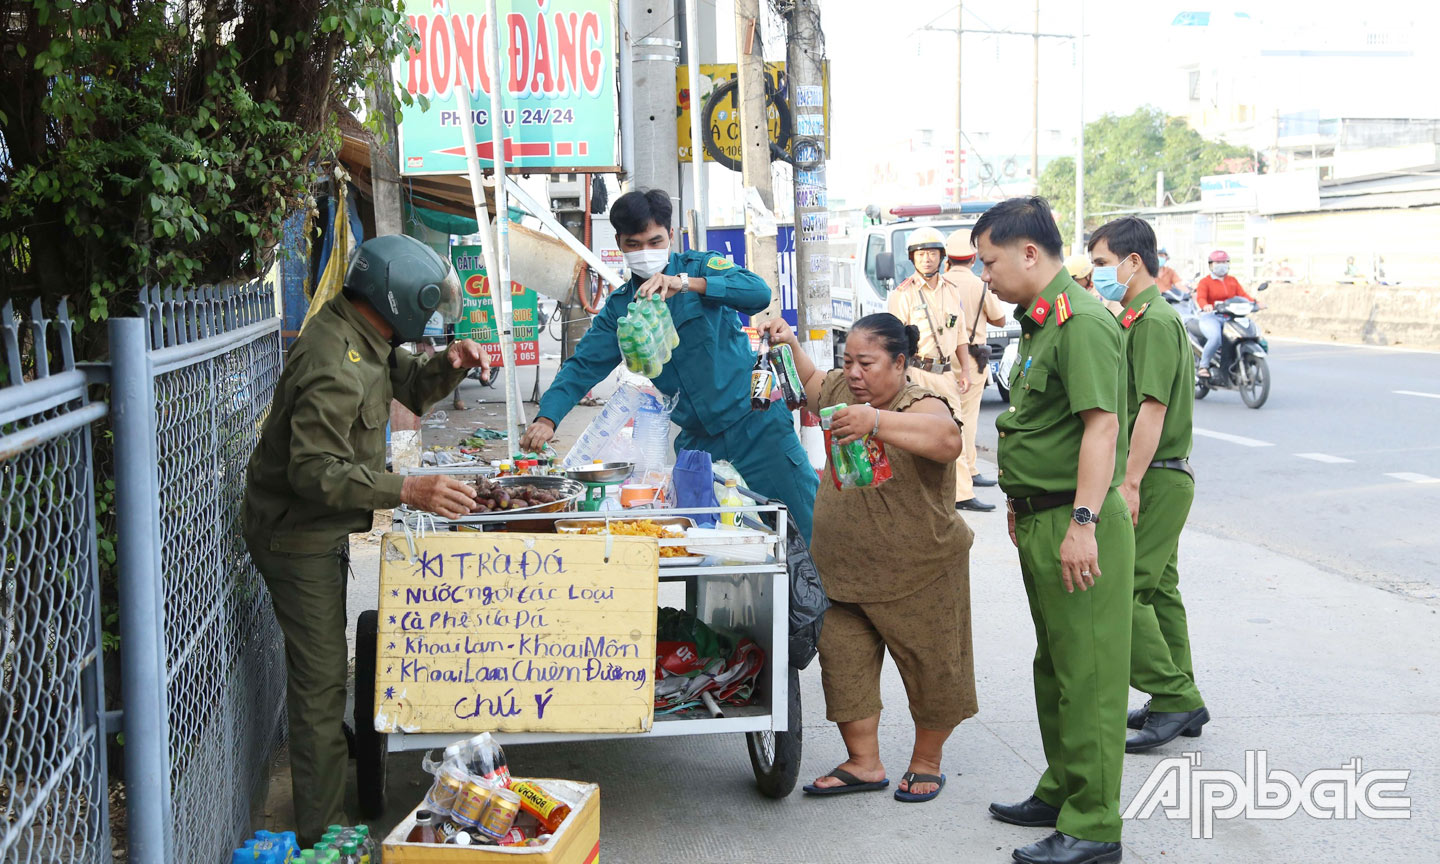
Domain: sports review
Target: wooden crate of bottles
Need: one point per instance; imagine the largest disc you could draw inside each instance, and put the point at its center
(576, 842)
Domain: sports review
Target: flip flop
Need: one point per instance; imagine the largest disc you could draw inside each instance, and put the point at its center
(911, 778)
(851, 784)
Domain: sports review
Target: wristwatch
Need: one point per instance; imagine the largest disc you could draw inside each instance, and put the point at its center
(1085, 516)
(684, 281)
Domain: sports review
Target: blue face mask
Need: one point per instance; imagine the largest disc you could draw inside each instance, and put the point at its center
(1106, 281)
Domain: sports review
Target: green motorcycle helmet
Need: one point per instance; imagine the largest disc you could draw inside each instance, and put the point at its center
(406, 282)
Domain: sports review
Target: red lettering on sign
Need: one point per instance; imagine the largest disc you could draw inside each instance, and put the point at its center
(469, 50)
(519, 53)
(440, 54)
(542, 59)
(594, 60)
(567, 53)
(419, 79)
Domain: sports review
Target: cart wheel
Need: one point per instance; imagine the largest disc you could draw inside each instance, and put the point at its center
(370, 748)
(775, 756)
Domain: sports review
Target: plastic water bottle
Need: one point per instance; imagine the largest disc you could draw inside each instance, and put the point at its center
(671, 334)
(629, 348)
(652, 434)
(369, 853)
(596, 437)
(658, 335)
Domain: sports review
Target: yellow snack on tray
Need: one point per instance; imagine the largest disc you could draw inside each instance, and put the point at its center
(644, 528)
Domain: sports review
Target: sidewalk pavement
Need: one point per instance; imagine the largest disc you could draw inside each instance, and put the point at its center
(1304, 664)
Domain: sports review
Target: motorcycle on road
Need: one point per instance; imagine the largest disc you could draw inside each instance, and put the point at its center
(1241, 362)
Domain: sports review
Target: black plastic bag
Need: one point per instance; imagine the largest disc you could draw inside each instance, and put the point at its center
(807, 598)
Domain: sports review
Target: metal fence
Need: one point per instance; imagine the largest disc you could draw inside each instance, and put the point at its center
(201, 655)
(53, 793)
(211, 360)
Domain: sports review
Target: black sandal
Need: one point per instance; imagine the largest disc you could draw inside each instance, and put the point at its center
(910, 779)
(851, 784)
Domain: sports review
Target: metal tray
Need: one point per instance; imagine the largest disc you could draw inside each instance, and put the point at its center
(570, 490)
(574, 526)
(605, 472)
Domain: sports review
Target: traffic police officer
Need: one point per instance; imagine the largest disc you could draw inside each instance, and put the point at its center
(931, 300)
(1061, 453)
(318, 472)
(1159, 485)
(981, 307)
(709, 370)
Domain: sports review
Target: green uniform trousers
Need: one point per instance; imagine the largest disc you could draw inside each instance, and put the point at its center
(1082, 667)
(308, 591)
(1159, 636)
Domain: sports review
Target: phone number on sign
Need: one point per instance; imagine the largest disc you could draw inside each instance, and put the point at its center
(526, 354)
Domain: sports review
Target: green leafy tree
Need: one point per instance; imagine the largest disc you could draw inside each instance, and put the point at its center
(1122, 155)
(163, 143)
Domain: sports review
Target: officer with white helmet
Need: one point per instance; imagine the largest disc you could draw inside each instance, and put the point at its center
(933, 302)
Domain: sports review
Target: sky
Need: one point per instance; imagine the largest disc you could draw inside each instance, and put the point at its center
(891, 78)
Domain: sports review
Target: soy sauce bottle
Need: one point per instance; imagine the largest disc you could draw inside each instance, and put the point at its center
(762, 377)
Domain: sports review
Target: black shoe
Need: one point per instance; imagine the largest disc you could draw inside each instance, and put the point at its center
(982, 480)
(1030, 813)
(974, 504)
(1136, 719)
(1063, 849)
(1162, 728)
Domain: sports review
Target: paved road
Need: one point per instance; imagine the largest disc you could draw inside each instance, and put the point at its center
(1340, 468)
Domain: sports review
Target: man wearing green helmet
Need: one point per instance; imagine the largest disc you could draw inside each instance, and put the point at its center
(318, 473)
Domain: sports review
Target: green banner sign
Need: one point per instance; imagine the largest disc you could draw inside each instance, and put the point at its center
(557, 65)
(477, 315)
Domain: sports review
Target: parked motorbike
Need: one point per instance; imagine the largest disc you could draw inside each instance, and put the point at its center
(1241, 363)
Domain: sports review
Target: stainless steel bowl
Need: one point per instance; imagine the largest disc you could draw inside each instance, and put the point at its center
(569, 491)
(605, 472)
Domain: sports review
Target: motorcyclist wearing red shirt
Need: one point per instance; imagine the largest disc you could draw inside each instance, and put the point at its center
(1218, 287)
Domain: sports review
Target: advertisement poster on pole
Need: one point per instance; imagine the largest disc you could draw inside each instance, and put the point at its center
(477, 314)
(557, 65)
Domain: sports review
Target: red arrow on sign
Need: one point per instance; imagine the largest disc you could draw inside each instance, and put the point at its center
(486, 149)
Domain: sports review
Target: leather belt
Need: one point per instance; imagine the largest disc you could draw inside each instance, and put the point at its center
(1037, 503)
(1175, 465)
(930, 364)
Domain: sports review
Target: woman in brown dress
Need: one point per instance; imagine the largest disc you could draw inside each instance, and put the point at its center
(894, 558)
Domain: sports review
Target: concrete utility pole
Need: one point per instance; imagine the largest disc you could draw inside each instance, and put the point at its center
(812, 221)
(656, 53)
(405, 445)
(959, 100)
(698, 209)
(1035, 109)
(760, 255)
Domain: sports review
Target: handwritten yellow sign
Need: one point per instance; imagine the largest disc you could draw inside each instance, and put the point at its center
(516, 633)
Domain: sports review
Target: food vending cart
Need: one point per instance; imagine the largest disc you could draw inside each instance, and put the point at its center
(456, 648)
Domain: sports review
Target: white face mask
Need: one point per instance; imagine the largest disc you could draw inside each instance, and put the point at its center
(647, 262)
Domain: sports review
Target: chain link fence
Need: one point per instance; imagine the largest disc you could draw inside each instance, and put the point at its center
(53, 791)
(201, 655)
(224, 663)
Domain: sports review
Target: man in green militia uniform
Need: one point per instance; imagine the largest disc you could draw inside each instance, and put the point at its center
(318, 472)
(1159, 484)
(1061, 455)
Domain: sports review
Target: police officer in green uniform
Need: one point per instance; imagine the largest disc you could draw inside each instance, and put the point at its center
(710, 369)
(318, 472)
(1061, 455)
(1159, 485)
